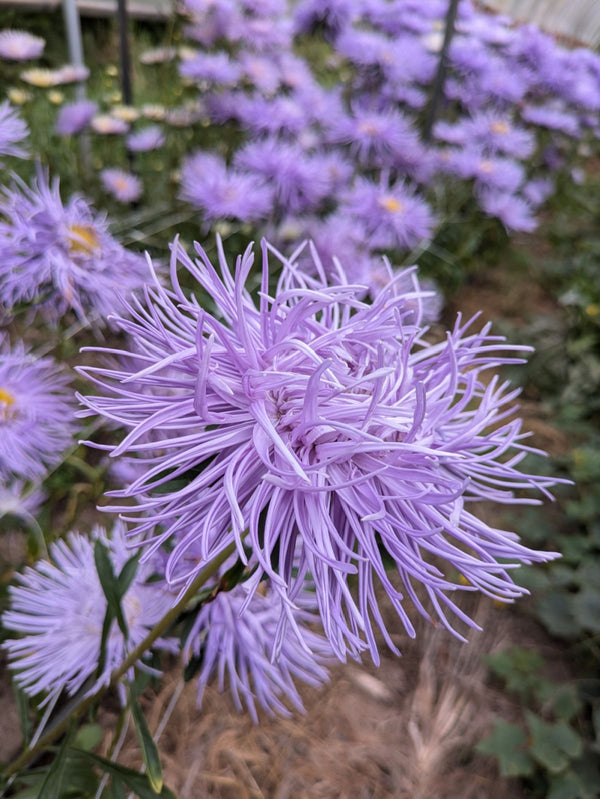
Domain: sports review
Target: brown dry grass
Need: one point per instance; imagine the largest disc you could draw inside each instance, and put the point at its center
(403, 731)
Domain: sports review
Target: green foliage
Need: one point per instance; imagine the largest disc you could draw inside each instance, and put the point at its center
(147, 744)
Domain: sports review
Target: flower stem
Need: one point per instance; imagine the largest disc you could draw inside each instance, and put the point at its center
(161, 627)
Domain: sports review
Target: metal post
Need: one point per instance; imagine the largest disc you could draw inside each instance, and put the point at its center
(73, 26)
(126, 82)
(437, 90)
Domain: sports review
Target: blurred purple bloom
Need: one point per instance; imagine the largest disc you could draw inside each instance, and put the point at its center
(58, 607)
(323, 433)
(212, 67)
(538, 190)
(18, 45)
(60, 256)
(492, 172)
(149, 138)
(124, 186)
(74, 117)
(392, 214)
(376, 138)
(490, 131)
(552, 116)
(36, 414)
(298, 180)
(220, 192)
(514, 212)
(331, 15)
(236, 635)
(12, 131)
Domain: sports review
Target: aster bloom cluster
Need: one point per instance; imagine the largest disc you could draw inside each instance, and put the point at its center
(233, 637)
(13, 131)
(58, 607)
(60, 256)
(36, 414)
(503, 93)
(326, 434)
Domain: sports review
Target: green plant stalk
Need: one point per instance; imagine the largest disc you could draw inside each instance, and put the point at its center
(161, 627)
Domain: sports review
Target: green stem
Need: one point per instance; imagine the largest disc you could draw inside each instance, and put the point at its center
(161, 627)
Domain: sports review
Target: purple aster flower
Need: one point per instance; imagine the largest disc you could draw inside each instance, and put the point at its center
(502, 174)
(261, 72)
(491, 131)
(283, 113)
(212, 67)
(50, 250)
(376, 138)
(12, 131)
(36, 414)
(553, 116)
(124, 186)
(537, 190)
(58, 607)
(323, 433)
(514, 212)
(18, 45)
(219, 192)
(392, 214)
(330, 15)
(236, 635)
(17, 500)
(149, 138)
(75, 117)
(298, 180)
(72, 73)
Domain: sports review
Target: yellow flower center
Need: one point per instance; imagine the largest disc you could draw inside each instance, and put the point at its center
(43, 78)
(83, 239)
(7, 400)
(391, 204)
(500, 127)
(486, 166)
(370, 128)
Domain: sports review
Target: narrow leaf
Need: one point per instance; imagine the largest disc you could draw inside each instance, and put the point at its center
(127, 575)
(139, 783)
(109, 584)
(52, 786)
(147, 744)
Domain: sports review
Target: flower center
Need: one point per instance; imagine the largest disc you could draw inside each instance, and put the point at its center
(391, 204)
(486, 166)
(7, 400)
(369, 128)
(82, 239)
(500, 127)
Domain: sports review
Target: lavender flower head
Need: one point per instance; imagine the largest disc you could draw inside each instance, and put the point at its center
(392, 215)
(75, 117)
(12, 131)
(235, 635)
(18, 45)
(149, 138)
(36, 414)
(324, 433)
(219, 192)
(124, 186)
(58, 606)
(60, 256)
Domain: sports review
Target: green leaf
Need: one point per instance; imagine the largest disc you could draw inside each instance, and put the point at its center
(586, 607)
(566, 702)
(127, 574)
(24, 718)
(553, 745)
(52, 786)
(134, 780)
(117, 788)
(519, 668)
(89, 737)
(110, 585)
(565, 786)
(147, 744)
(555, 612)
(507, 743)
